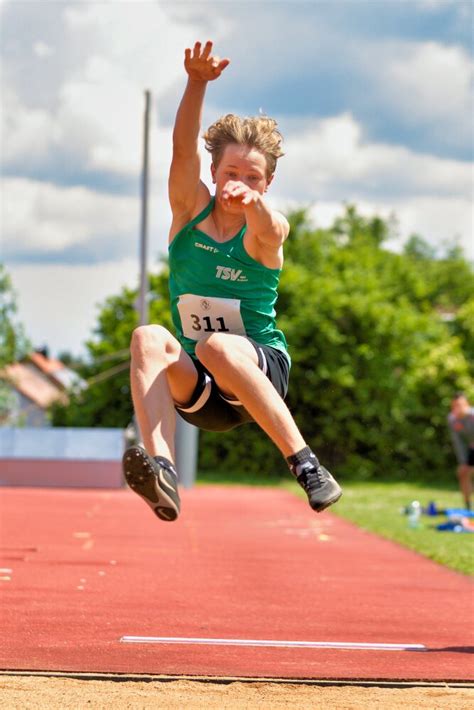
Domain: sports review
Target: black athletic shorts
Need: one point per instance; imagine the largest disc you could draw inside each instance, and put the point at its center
(210, 409)
(470, 457)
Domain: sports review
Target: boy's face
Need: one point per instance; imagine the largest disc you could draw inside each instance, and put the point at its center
(460, 406)
(239, 163)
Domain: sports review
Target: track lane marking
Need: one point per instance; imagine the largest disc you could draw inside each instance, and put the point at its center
(275, 643)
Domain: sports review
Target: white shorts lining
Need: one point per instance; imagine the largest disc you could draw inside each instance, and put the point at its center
(202, 399)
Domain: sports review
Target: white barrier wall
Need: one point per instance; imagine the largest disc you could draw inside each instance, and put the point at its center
(61, 443)
(57, 456)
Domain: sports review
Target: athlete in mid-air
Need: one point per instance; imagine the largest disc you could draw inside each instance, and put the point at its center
(228, 364)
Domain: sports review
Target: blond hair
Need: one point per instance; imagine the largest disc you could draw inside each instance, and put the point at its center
(259, 132)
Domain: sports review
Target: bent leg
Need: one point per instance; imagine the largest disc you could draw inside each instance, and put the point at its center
(161, 373)
(233, 362)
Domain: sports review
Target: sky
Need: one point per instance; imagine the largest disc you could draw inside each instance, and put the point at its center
(374, 99)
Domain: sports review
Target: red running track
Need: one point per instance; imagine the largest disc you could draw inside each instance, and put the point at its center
(82, 568)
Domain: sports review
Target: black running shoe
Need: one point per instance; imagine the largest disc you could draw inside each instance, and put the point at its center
(321, 488)
(154, 480)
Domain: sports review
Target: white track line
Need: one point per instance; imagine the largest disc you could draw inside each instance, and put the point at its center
(273, 643)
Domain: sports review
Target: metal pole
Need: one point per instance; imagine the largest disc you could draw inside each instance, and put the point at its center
(142, 300)
(187, 443)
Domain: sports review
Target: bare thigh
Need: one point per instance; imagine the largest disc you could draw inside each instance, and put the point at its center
(218, 351)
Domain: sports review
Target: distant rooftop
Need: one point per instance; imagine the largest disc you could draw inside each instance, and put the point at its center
(48, 365)
(42, 379)
(32, 384)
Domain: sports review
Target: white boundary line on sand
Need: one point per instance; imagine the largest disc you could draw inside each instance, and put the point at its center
(273, 643)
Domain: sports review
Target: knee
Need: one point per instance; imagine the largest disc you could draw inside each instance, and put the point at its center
(217, 349)
(210, 349)
(149, 341)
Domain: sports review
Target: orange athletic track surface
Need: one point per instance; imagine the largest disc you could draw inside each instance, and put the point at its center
(82, 568)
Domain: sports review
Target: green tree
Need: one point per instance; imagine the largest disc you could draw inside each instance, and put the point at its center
(107, 400)
(418, 248)
(13, 342)
(374, 366)
(463, 328)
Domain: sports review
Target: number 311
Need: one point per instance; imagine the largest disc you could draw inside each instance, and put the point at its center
(197, 325)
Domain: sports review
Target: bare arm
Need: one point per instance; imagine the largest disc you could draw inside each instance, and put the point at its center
(266, 228)
(270, 228)
(184, 178)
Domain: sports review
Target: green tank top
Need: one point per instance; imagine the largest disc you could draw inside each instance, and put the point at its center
(218, 287)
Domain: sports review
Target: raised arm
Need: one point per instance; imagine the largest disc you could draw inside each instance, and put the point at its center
(184, 178)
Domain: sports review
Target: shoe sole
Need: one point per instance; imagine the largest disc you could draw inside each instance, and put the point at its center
(325, 505)
(141, 476)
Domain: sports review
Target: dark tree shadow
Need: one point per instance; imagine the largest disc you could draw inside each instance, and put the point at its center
(446, 649)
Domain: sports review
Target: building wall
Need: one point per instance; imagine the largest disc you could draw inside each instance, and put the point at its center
(23, 412)
(31, 414)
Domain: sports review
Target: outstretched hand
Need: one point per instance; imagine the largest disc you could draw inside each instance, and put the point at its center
(201, 65)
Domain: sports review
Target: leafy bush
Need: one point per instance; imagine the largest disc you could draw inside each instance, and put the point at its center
(107, 400)
(374, 366)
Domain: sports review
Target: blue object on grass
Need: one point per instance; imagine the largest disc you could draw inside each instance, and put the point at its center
(459, 513)
(454, 526)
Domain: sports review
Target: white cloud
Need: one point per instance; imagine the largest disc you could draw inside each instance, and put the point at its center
(42, 50)
(425, 85)
(428, 195)
(436, 82)
(94, 122)
(107, 121)
(26, 133)
(461, 8)
(59, 307)
(93, 119)
(342, 164)
(440, 221)
(142, 39)
(45, 220)
(48, 221)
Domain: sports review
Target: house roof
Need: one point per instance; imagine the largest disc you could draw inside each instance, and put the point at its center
(48, 365)
(32, 384)
(56, 371)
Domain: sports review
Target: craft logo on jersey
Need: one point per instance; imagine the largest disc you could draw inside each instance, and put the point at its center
(226, 273)
(206, 247)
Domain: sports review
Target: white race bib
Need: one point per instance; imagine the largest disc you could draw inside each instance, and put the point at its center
(202, 315)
